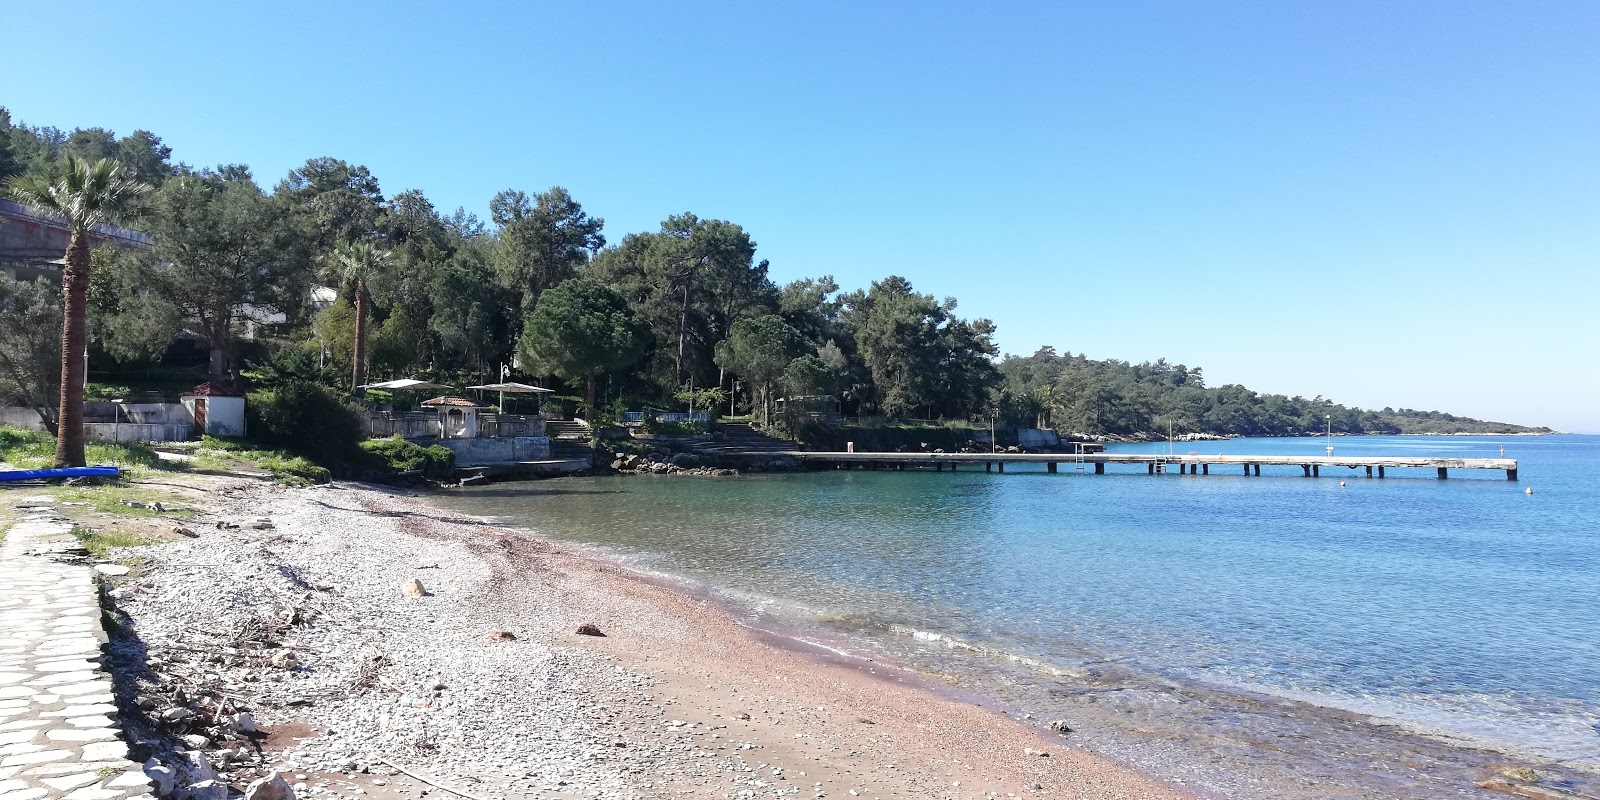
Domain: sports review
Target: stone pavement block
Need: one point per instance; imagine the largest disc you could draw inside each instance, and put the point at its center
(37, 757)
(57, 738)
(67, 783)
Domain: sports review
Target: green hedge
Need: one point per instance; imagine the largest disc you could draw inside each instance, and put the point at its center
(306, 418)
(399, 455)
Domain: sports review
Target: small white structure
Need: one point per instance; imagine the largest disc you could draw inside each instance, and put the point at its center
(217, 410)
(458, 417)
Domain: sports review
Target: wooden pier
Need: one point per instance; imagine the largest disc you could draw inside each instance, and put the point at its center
(1155, 464)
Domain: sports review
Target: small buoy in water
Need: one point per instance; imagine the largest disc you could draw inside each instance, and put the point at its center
(1341, 483)
(1528, 490)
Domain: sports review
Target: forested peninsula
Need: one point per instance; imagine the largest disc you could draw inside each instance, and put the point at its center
(319, 281)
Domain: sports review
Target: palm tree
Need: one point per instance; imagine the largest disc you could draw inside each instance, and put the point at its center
(359, 263)
(86, 195)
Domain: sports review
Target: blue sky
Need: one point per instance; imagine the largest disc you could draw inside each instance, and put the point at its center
(1383, 203)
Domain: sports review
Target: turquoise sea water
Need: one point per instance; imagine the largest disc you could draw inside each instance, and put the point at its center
(1465, 604)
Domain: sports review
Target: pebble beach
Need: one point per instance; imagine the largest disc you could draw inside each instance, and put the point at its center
(362, 643)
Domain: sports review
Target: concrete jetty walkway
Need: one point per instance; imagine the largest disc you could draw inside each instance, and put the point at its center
(58, 737)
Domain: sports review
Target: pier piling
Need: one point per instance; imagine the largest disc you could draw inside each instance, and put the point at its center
(1154, 463)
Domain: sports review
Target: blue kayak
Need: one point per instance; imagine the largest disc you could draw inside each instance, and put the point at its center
(63, 472)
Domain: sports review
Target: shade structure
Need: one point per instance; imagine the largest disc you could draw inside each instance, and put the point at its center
(405, 384)
(511, 388)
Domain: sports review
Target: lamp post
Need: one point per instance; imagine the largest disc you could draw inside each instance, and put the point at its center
(1329, 417)
(116, 419)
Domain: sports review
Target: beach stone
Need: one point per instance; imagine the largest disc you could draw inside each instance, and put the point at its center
(208, 790)
(242, 722)
(589, 629)
(197, 767)
(1525, 774)
(270, 787)
(1060, 726)
(163, 778)
(413, 588)
(502, 636)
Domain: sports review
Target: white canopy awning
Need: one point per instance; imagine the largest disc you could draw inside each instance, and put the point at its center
(405, 384)
(512, 388)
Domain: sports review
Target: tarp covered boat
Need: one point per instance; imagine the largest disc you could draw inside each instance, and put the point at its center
(60, 472)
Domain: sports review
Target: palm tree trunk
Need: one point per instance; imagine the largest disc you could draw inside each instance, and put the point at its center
(588, 403)
(683, 327)
(359, 372)
(74, 349)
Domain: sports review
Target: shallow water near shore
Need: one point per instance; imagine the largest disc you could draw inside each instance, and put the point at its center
(1464, 606)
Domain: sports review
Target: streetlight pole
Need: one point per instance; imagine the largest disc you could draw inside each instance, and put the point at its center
(1330, 433)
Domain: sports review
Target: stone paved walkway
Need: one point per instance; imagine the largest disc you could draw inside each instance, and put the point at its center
(58, 736)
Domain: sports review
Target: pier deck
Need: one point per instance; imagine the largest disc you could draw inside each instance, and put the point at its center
(1155, 463)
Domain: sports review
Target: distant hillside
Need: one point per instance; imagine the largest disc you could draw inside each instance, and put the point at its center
(1076, 394)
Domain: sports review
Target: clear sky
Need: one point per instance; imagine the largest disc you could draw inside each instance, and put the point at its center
(1382, 203)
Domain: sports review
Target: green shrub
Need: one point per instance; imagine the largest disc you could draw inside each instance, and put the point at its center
(663, 428)
(295, 471)
(307, 418)
(398, 455)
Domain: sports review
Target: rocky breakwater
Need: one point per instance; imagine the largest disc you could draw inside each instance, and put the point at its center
(664, 462)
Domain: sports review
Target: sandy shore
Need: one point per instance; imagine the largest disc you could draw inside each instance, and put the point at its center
(675, 700)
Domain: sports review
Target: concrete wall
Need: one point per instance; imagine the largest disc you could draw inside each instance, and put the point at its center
(26, 237)
(224, 415)
(135, 432)
(25, 418)
(143, 413)
(480, 452)
(1035, 437)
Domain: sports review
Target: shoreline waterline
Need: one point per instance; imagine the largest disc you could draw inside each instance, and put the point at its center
(767, 549)
(1207, 762)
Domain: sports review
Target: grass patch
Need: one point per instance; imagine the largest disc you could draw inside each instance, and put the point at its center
(37, 450)
(101, 543)
(109, 499)
(295, 470)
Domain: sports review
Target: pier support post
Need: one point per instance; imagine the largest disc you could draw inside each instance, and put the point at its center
(988, 466)
(1151, 468)
(1369, 470)
(1000, 466)
(1194, 469)
(1050, 466)
(1443, 473)
(1099, 468)
(1511, 474)
(1205, 469)
(1307, 468)
(938, 466)
(1316, 471)
(1380, 470)
(1247, 470)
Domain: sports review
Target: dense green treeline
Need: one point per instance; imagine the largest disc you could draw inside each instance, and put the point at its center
(450, 297)
(339, 282)
(1081, 395)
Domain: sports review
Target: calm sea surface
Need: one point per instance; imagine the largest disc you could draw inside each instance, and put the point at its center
(1465, 604)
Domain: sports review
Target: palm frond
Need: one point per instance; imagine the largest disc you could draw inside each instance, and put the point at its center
(85, 194)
